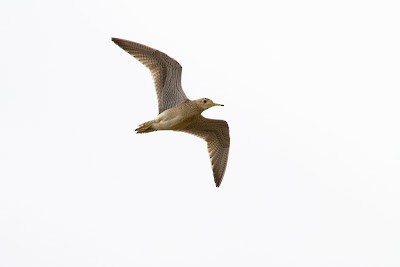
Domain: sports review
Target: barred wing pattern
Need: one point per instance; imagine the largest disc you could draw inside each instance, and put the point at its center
(216, 134)
(165, 70)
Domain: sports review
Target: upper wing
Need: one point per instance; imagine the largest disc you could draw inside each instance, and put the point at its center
(216, 134)
(166, 72)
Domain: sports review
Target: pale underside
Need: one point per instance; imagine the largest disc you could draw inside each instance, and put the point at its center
(166, 74)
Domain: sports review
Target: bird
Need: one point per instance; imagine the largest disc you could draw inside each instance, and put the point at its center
(176, 111)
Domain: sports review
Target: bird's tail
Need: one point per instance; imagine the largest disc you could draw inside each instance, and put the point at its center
(145, 127)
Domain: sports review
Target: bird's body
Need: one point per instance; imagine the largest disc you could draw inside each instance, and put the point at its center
(176, 118)
(176, 111)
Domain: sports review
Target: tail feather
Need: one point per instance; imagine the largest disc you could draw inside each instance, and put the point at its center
(145, 127)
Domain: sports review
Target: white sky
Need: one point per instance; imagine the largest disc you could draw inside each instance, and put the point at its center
(311, 92)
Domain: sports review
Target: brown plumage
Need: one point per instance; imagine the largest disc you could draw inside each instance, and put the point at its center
(176, 111)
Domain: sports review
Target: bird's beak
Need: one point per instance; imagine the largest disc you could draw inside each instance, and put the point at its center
(215, 104)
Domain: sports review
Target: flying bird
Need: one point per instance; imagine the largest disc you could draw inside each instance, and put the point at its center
(176, 111)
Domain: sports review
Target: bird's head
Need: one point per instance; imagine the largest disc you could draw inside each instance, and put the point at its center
(205, 103)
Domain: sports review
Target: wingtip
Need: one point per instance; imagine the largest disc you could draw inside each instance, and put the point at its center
(116, 40)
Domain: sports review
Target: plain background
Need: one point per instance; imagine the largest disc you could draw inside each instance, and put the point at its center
(311, 94)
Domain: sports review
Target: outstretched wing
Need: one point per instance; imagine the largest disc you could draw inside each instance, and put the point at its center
(216, 134)
(165, 70)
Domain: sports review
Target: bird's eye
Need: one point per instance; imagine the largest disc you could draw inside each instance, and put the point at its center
(204, 101)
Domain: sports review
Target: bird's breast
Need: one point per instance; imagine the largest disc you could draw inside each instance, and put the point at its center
(170, 121)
